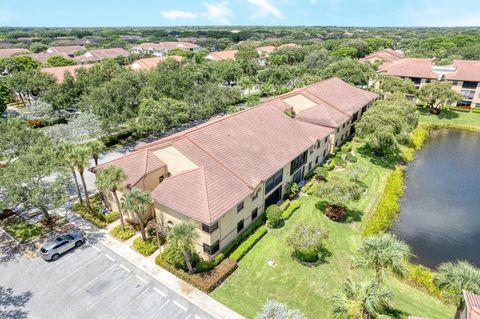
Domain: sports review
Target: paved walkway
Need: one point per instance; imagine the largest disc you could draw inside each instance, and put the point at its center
(182, 288)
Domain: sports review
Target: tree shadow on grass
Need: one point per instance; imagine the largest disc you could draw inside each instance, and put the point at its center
(444, 114)
(11, 303)
(323, 256)
(386, 161)
(395, 313)
(352, 215)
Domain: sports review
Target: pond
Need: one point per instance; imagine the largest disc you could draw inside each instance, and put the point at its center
(440, 214)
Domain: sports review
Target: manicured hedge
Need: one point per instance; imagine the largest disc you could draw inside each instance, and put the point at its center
(244, 247)
(284, 205)
(206, 281)
(289, 211)
(122, 233)
(113, 216)
(307, 186)
(89, 215)
(145, 248)
(385, 214)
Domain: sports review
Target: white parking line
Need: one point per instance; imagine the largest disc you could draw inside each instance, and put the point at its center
(88, 283)
(158, 310)
(109, 257)
(180, 305)
(96, 248)
(141, 279)
(131, 302)
(78, 269)
(160, 292)
(125, 268)
(107, 293)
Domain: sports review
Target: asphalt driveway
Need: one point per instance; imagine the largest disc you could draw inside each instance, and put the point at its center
(88, 282)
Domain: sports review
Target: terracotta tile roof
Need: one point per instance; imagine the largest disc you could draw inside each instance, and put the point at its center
(165, 46)
(472, 304)
(386, 55)
(5, 53)
(223, 55)
(59, 72)
(68, 49)
(135, 165)
(409, 67)
(43, 57)
(151, 63)
(100, 54)
(466, 70)
(266, 49)
(235, 153)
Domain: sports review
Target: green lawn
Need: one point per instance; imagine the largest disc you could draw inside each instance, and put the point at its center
(311, 289)
(450, 117)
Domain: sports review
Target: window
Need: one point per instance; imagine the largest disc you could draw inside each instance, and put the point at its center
(60, 245)
(210, 228)
(454, 83)
(161, 178)
(298, 162)
(343, 126)
(255, 195)
(326, 139)
(210, 250)
(416, 81)
(317, 159)
(355, 116)
(464, 103)
(240, 206)
(273, 181)
(467, 94)
(318, 144)
(240, 226)
(254, 213)
(324, 153)
(477, 105)
(309, 166)
(338, 130)
(469, 85)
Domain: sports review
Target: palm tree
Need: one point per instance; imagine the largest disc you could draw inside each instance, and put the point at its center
(137, 202)
(453, 278)
(96, 147)
(112, 178)
(66, 154)
(361, 301)
(182, 237)
(384, 252)
(81, 157)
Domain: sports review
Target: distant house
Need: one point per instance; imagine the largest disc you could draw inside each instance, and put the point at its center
(221, 55)
(68, 49)
(162, 48)
(100, 54)
(385, 55)
(59, 72)
(5, 53)
(191, 40)
(131, 38)
(150, 63)
(463, 74)
(266, 50)
(288, 45)
(44, 56)
(472, 306)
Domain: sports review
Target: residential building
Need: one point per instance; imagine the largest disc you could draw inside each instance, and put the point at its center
(266, 50)
(6, 53)
(68, 49)
(59, 72)
(221, 55)
(100, 54)
(471, 308)
(146, 64)
(385, 55)
(162, 48)
(464, 75)
(43, 57)
(221, 175)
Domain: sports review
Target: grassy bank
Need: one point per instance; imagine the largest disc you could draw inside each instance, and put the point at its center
(311, 289)
(451, 119)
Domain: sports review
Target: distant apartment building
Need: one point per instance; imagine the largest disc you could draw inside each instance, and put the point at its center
(69, 50)
(100, 54)
(221, 175)
(464, 75)
(162, 48)
(59, 72)
(221, 55)
(147, 64)
(385, 55)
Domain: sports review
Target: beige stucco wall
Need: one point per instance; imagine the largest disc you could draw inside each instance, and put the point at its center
(476, 97)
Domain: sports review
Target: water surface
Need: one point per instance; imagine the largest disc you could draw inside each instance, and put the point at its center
(440, 215)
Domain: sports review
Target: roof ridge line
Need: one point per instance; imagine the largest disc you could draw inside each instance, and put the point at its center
(206, 193)
(330, 103)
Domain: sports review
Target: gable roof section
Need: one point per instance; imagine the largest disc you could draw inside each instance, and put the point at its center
(386, 55)
(266, 49)
(135, 165)
(5, 53)
(466, 70)
(44, 56)
(100, 54)
(59, 72)
(68, 49)
(151, 63)
(165, 46)
(223, 55)
(472, 304)
(409, 67)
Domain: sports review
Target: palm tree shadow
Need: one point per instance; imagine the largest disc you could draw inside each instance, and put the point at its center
(386, 160)
(11, 303)
(395, 313)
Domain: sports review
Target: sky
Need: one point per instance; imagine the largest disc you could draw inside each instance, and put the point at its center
(101, 13)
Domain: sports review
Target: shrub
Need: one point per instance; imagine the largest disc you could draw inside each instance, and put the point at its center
(244, 247)
(113, 216)
(330, 165)
(321, 173)
(207, 281)
(284, 205)
(292, 190)
(340, 162)
(384, 216)
(289, 211)
(476, 110)
(122, 233)
(89, 215)
(35, 123)
(336, 213)
(145, 248)
(307, 241)
(174, 257)
(408, 154)
(274, 216)
(307, 186)
(422, 278)
(204, 266)
(418, 137)
(277, 310)
(351, 158)
(22, 231)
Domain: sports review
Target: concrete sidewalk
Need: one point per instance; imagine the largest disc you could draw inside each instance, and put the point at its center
(182, 288)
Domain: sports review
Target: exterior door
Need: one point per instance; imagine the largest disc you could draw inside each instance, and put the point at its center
(298, 176)
(274, 197)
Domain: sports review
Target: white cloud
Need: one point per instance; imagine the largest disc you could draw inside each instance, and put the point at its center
(217, 13)
(263, 8)
(178, 14)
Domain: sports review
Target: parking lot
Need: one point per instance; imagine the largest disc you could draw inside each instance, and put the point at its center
(88, 282)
